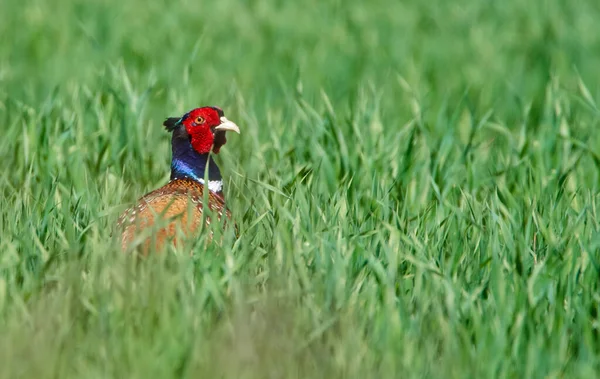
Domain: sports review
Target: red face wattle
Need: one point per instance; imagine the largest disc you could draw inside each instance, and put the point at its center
(206, 127)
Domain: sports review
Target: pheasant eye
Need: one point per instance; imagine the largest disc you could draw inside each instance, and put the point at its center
(199, 120)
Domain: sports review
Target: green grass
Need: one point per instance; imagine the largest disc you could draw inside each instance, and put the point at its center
(416, 186)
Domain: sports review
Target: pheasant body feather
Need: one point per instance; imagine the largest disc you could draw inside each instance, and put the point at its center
(179, 204)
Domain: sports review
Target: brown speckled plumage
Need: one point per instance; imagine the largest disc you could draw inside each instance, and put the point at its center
(174, 203)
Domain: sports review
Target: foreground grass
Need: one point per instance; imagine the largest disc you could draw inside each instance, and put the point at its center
(416, 188)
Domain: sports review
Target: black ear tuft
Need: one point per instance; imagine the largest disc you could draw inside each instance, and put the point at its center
(171, 123)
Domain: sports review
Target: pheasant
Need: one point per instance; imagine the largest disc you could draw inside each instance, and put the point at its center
(180, 203)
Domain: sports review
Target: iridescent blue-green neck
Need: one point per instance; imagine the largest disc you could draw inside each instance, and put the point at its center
(188, 163)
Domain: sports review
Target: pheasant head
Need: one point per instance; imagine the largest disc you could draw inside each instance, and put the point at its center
(205, 128)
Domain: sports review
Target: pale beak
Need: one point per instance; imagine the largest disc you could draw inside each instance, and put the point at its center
(228, 125)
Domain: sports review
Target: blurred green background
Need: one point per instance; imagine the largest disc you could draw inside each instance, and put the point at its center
(416, 187)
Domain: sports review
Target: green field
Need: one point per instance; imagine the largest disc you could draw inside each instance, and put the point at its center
(416, 186)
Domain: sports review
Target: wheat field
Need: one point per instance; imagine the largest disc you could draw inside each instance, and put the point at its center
(415, 184)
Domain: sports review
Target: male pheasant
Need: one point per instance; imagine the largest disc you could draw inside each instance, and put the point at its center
(179, 204)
